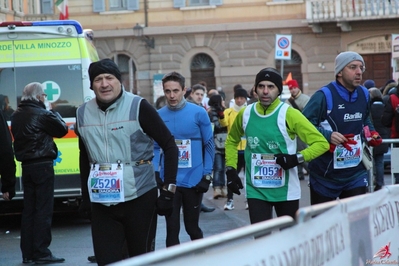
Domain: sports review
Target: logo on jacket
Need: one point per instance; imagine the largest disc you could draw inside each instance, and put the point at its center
(272, 145)
(341, 106)
(353, 117)
(253, 142)
(116, 128)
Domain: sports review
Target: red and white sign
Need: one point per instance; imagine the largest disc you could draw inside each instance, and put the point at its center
(283, 47)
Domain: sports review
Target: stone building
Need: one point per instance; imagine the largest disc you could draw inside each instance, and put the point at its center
(226, 42)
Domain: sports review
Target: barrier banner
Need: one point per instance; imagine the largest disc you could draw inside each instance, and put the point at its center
(361, 231)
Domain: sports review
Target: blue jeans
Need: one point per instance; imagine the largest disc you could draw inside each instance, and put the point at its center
(38, 182)
(379, 169)
(219, 176)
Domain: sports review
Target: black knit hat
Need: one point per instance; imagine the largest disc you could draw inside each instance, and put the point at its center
(104, 66)
(270, 74)
(240, 93)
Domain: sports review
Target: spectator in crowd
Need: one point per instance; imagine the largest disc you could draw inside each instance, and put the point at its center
(377, 109)
(7, 163)
(235, 88)
(253, 98)
(197, 94)
(160, 102)
(34, 128)
(196, 97)
(215, 112)
(190, 125)
(5, 107)
(240, 100)
(389, 85)
(117, 130)
(340, 111)
(271, 128)
(369, 84)
(298, 100)
(390, 118)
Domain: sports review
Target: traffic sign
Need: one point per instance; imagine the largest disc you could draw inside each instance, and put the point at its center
(283, 47)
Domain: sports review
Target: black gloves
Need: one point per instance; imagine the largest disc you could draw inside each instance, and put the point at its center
(85, 209)
(233, 181)
(203, 184)
(165, 203)
(286, 161)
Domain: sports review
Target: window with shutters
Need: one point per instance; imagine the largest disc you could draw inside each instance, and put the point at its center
(4, 4)
(115, 5)
(199, 2)
(196, 3)
(46, 6)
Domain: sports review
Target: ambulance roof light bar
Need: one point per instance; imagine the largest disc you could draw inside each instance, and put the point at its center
(13, 24)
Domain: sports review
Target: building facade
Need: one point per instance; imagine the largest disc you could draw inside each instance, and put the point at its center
(226, 42)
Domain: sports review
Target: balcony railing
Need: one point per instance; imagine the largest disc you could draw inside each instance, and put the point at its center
(345, 11)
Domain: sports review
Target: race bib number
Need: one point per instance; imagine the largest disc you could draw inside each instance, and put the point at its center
(265, 173)
(184, 146)
(344, 158)
(106, 183)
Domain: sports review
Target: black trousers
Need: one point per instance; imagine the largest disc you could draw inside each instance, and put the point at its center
(260, 210)
(131, 223)
(190, 200)
(316, 198)
(38, 183)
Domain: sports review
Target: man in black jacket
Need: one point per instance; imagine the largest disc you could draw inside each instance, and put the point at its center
(7, 163)
(34, 128)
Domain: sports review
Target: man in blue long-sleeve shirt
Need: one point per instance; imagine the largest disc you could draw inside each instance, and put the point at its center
(191, 127)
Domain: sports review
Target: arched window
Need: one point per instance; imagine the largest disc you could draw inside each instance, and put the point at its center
(203, 69)
(128, 71)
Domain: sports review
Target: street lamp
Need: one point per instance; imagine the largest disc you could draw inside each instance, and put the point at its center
(138, 32)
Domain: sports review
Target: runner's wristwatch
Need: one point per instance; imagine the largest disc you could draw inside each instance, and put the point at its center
(300, 158)
(208, 177)
(171, 188)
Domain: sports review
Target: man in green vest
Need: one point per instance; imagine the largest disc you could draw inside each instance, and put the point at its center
(271, 128)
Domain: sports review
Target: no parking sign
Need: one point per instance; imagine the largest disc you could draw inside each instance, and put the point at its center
(283, 47)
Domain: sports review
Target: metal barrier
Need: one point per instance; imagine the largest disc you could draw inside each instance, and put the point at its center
(394, 158)
(172, 255)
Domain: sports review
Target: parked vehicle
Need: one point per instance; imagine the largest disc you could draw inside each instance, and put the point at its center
(56, 54)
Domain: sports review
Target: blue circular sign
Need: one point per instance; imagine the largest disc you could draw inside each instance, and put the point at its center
(283, 43)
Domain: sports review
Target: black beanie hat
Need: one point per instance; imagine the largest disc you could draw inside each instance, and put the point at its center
(104, 66)
(240, 93)
(270, 74)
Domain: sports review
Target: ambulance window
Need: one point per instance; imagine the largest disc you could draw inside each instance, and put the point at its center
(8, 98)
(62, 84)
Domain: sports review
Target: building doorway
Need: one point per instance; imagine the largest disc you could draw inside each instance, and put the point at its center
(378, 68)
(292, 66)
(203, 69)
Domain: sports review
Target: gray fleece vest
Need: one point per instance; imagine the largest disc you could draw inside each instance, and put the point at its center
(115, 135)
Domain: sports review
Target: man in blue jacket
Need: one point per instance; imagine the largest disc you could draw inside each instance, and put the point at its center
(191, 127)
(341, 112)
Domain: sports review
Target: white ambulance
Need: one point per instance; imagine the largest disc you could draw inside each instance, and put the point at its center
(57, 54)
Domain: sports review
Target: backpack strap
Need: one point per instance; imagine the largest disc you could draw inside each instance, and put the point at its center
(327, 93)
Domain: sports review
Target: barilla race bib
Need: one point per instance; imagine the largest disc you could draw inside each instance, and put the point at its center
(184, 146)
(344, 158)
(106, 183)
(265, 173)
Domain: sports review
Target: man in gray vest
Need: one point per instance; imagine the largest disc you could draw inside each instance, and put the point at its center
(117, 130)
